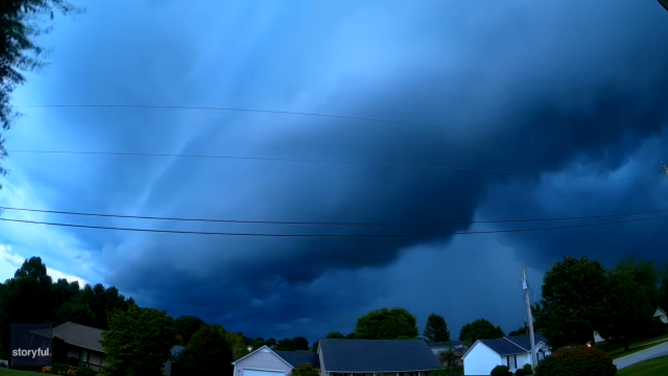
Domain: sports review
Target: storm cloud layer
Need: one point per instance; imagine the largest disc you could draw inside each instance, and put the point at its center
(563, 103)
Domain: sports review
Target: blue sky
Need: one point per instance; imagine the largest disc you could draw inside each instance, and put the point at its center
(571, 96)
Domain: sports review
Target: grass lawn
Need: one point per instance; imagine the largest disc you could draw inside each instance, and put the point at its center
(616, 350)
(654, 367)
(11, 372)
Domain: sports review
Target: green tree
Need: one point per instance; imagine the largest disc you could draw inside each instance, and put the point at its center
(19, 25)
(314, 348)
(186, 326)
(479, 329)
(436, 329)
(286, 344)
(386, 323)
(236, 344)
(645, 273)
(301, 343)
(304, 370)
(629, 309)
(448, 357)
(521, 331)
(573, 303)
(257, 343)
(335, 335)
(138, 341)
(207, 353)
(271, 341)
(350, 336)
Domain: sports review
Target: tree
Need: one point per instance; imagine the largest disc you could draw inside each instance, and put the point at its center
(286, 344)
(573, 301)
(447, 357)
(138, 341)
(207, 353)
(350, 336)
(301, 343)
(522, 330)
(271, 341)
(436, 329)
(18, 51)
(304, 370)
(236, 344)
(386, 323)
(645, 274)
(257, 343)
(479, 329)
(335, 335)
(186, 326)
(629, 309)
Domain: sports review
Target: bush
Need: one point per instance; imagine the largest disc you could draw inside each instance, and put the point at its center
(85, 371)
(524, 371)
(449, 371)
(501, 371)
(57, 368)
(577, 361)
(46, 369)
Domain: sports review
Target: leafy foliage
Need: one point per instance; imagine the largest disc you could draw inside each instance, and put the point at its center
(501, 371)
(448, 357)
(236, 344)
(270, 341)
(629, 310)
(351, 336)
(207, 353)
(19, 24)
(59, 348)
(524, 371)
(386, 323)
(479, 329)
(138, 341)
(449, 371)
(436, 329)
(304, 370)
(186, 326)
(301, 343)
(335, 335)
(573, 303)
(577, 361)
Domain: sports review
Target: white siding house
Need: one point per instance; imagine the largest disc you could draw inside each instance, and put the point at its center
(262, 362)
(480, 360)
(513, 352)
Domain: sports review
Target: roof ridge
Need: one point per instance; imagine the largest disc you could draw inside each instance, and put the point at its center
(514, 343)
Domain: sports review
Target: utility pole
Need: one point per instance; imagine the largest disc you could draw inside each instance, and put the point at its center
(525, 286)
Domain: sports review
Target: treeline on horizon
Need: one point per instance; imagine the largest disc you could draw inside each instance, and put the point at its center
(617, 302)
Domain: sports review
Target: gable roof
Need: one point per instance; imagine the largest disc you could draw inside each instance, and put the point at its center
(296, 358)
(78, 335)
(369, 356)
(524, 341)
(659, 312)
(503, 346)
(264, 348)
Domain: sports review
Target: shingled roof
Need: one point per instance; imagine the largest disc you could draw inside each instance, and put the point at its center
(503, 346)
(296, 358)
(76, 334)
(524, 341)
(369, 356)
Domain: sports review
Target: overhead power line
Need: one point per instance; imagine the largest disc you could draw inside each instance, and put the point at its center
(266, 159)
(334, 223)
(378, 235)
(232, 109)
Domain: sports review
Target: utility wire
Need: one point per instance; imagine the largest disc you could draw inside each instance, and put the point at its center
(395, 235)
(332, 223)
(232, 109)
(269, 159)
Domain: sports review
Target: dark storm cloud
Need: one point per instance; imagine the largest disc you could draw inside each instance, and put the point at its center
(535, 88)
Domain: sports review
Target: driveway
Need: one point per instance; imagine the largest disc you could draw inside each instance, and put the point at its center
(640, 356)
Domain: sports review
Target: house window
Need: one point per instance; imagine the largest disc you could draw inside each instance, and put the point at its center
(512, 362)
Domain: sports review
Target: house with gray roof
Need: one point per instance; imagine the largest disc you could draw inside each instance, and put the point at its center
(513, 352)
(345, 357)
(83, 343)
(457, 347)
